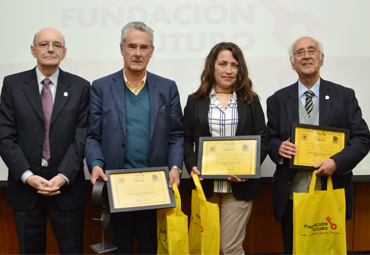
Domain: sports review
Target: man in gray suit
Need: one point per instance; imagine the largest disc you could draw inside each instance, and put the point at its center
(312, 100)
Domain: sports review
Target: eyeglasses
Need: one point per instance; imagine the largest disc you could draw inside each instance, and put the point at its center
(45, 46)
(301, 53)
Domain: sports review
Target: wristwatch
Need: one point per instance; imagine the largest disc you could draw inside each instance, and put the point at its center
(178, 169)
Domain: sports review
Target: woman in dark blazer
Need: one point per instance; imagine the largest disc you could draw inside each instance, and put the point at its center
(226, 105)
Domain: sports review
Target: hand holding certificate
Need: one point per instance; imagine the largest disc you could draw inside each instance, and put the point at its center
(139, 189)
(315, 144)
(221, 157)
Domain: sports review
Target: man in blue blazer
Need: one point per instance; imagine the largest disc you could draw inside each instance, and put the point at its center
(333, 106)
(136, 122)
(42, 145)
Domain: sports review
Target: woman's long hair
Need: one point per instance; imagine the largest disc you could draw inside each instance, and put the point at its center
(243, 85)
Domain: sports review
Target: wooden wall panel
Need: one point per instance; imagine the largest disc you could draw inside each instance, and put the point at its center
(361, 231)
(263, 234)
(8, 233)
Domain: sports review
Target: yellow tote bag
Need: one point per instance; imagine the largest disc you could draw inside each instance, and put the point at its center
(172, 229)
(204, 232)
(319, 220)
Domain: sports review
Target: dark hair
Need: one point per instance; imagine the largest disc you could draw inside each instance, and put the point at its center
(243, 85)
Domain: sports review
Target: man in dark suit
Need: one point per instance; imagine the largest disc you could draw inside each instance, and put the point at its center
(333, 106)
(43, 126)
(136, 122)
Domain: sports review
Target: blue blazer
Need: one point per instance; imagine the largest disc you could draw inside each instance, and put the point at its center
(106, 139)
(22, 136)
(338, 108)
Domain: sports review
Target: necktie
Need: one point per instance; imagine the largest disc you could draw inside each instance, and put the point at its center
(309, 103)
(47, 106)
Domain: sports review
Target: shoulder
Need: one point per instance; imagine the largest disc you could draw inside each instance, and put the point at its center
(192, 102)
(284, 92)
(109, 78)
(73, 78)
(335, 87)
(253, 105)
(255, 100)
(192, 98)
(18, 81)
(22, 75)
(157, 78)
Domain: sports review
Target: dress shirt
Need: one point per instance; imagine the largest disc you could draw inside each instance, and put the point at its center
(139, 87)
(302, 90)
(222, 122)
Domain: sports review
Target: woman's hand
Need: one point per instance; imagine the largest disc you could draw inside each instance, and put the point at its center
(195, 170)
(235, 178)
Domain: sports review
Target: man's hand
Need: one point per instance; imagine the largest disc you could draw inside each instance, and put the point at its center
(235, 178)
(58, 181)
(97, 173)
(43, 186)
(287, 149)
(326, 167)
(174, 177)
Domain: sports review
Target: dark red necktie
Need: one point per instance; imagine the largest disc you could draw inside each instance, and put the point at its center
(47, 106)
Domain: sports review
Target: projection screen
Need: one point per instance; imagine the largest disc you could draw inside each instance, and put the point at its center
(184, 33)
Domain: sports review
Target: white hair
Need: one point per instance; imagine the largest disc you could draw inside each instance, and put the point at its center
(139, 26)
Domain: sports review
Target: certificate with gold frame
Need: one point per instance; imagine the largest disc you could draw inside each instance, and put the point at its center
(316, 143)
(221, 157)
(139, 189)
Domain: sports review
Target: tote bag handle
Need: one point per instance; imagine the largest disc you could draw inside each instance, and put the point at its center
(199, 188)
(313, 183)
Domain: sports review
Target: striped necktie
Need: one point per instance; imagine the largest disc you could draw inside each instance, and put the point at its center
(309, 103)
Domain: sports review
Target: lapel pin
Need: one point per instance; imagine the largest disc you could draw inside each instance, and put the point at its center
(327, 97)
(65, 94)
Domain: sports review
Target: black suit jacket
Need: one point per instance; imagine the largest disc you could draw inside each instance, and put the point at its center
(251, 121)
(22, 136)
(338, 108)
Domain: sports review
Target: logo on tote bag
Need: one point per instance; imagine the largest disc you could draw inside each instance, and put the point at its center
(332, 225)
(319, 226)
(200, 223)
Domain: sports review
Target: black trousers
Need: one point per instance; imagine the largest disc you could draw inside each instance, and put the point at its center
(124, 227)
(287, 227)
(68, 226)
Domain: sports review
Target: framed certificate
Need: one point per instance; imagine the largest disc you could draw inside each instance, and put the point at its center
(139, 189)
(221, 157)
(316, 143)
